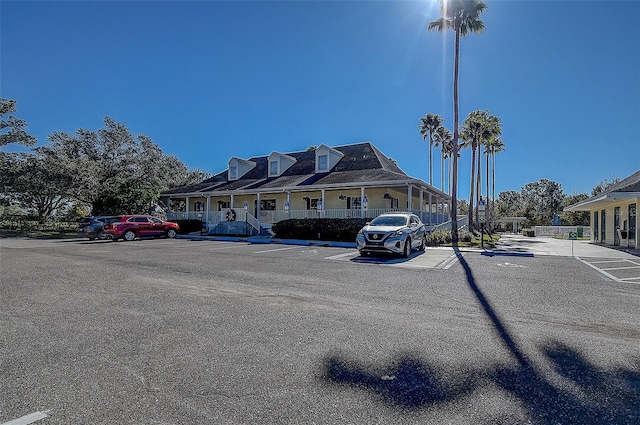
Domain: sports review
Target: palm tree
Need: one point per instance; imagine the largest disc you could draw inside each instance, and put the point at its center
(494, 145)
(444, 139)
(430, 124)
(472, 134)
(462, 16)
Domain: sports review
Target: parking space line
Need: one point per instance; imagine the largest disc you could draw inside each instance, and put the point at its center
(631, 279)
(622, 268)
(276, 249)
(450, 261)
(339, 256)
(28, 419)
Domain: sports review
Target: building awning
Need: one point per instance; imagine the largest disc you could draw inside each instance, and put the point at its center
(601, 201)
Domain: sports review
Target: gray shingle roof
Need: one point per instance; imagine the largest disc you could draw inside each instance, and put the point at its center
(362, 162)
(629, 184)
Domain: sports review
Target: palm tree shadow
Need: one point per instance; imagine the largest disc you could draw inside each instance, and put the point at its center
(583, 393)
(409, 383)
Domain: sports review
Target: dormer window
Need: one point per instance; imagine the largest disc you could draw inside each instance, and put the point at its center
(322, 162)
(239, 167)
(327, 158)
(279, 163)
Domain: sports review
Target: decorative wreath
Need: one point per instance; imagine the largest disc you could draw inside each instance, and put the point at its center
(231, 215)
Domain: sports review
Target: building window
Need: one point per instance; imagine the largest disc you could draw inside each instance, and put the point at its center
(273, 168)
(322, 162)
(267, 204)
(233, 172)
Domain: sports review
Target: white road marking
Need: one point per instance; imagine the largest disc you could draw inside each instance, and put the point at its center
(346, 254)
(276, 249)
(510, 265)
(446, 264)
(28, 419)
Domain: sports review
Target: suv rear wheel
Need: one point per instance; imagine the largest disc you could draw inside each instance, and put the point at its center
(129, 235)
(171, 233)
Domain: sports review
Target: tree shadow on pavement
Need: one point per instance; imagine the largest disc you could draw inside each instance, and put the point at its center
(575, 391)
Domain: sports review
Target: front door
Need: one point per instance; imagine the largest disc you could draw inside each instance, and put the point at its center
(632, 225)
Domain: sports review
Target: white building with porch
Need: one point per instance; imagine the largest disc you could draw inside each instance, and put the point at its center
(351, 181)
(614, 219)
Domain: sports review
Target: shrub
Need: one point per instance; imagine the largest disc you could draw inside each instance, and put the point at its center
(327, 229)
(528, 232)
(443, 237)
(189, 226)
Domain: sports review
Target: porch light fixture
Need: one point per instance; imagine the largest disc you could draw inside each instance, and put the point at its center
(342, 197)
(386, 196)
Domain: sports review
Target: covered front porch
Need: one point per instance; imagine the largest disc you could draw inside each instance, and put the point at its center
(249, 213)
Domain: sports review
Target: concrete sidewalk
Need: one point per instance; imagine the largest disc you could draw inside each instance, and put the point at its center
(549, 246)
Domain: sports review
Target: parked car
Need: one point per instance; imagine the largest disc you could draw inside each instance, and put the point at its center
(128, 227)
(395, 233)
(91, 227)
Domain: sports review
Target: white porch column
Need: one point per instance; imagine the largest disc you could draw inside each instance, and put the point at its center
(409, 193)
(258, 210)
(208, 209)
(289, 202)
(186, 207)
(421, 204)
(430, 210)
(362, 212)
(323, 206)
(232, 203)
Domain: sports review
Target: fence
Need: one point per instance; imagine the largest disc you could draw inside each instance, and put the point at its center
(562, 231)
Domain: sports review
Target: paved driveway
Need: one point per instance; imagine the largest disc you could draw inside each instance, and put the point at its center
(207, 332)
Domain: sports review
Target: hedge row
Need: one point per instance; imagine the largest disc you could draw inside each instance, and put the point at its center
(189, 226)
(326, 229)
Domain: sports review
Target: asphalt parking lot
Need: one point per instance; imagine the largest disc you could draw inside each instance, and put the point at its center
(200, 332)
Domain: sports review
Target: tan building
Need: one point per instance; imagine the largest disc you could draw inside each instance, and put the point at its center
(347, 181)
(614, 218)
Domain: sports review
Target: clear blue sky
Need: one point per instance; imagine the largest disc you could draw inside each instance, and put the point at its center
(210, 80)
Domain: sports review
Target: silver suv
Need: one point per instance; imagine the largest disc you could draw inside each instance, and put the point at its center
(396, 233)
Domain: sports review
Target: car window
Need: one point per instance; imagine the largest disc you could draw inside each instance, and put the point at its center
(116, 219)
(155, 220)
(389, 220)
(139, 219)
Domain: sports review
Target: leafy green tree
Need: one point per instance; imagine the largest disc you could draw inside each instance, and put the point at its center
(603, 185)
(463, 17)
(509, 204)
(12, 129)
(430, 123)
(115, 172)
(541, 200)
(39, 185)
(575, 218)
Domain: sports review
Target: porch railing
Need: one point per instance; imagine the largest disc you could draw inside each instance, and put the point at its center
(274, 216)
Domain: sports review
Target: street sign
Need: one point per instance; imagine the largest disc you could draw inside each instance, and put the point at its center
(573, 236)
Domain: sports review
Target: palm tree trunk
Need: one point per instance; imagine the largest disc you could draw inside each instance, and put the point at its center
(442, 173)
(472, 187)
(479, 178)
(430, 159)
(456, 120)
(486, 182)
